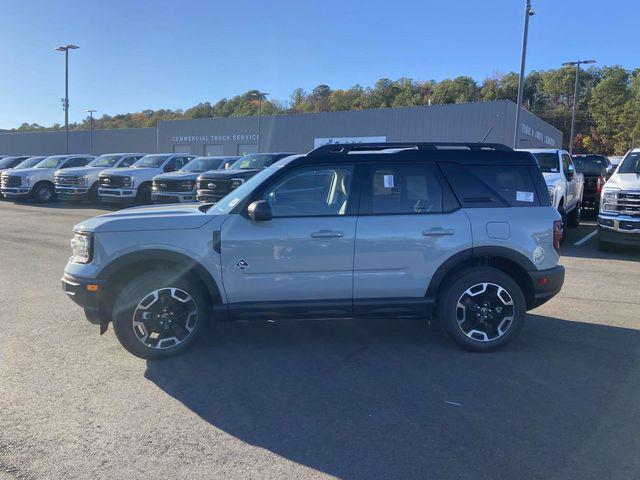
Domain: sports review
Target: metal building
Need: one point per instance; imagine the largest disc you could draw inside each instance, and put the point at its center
(470, 122)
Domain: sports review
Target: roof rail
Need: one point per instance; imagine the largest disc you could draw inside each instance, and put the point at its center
(345, 148)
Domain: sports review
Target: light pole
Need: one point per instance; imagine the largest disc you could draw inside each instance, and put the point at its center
(577, 64)
(91, 112)
(260, 95)
(528, 12)
(65, 100)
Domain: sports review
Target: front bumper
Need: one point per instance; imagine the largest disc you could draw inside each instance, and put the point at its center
(546, 285)
(621, 230)
(16, 192)
(72, 193)
(125, 195)
(173, 197)
(77, 289)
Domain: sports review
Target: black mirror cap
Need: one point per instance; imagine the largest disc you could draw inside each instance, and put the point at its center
(260, 211)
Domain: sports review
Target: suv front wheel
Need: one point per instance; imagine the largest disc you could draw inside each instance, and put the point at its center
(482, 309)
(159, 314)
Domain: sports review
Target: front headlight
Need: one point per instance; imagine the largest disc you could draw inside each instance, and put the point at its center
(127, 182)
(236, 182)
(609, 201)
(25, 181)
(83, 180)
(81, 247)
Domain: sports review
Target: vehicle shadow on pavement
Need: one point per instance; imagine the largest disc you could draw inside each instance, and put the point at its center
(393, 399)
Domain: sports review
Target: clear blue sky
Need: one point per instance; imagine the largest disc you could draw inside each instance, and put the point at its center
(173, 54)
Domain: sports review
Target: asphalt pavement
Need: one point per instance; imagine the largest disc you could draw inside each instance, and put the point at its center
(316, 399)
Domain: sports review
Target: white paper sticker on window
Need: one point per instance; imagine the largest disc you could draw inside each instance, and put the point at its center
(388, 181)
(524, 196)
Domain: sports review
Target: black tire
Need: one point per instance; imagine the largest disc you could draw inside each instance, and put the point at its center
(139, 324)
(563, 217)
(93, 193)
(573, 219)
(499, 323)
(43, 192)
(144, 194)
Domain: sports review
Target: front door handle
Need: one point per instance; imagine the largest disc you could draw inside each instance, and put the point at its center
(327, 234)
(438, 232)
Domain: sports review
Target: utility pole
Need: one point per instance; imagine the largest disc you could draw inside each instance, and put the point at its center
(65, 100)
(528, 12)
(91, 112)
(577, 64)
(260, 95)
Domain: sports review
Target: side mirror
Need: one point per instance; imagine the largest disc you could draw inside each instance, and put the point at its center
(260, 211)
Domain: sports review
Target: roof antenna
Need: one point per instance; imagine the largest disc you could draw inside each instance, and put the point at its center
(490, 130)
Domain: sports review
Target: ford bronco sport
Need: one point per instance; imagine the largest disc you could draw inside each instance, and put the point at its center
(462, 233)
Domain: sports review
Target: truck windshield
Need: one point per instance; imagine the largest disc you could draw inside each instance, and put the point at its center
(590, 163)
(29, 162)
(150, 161)
(7, 162)
(253, 160)
(630, 163)
(51, 162)
(105, 161)
(549, 162)
(199, 165)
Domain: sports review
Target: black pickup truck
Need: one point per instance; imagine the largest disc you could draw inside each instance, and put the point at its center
(596, 170)
(212, 186)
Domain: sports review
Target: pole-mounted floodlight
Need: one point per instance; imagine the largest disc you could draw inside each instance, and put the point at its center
(91, 112)
(260, 96)
(576, 64)
(65, 103)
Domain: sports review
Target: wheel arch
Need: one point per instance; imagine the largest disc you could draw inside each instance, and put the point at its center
(116, 273)
(511, 262)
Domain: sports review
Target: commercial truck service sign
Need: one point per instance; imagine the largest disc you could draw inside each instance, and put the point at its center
(318, 142)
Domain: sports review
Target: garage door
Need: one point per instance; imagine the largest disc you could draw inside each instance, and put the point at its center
(182, 149)
(213, 150)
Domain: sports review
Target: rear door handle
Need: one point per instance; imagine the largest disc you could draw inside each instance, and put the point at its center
(438, 232)
(327, 234)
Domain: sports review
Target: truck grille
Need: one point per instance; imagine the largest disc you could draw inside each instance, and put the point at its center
(64, 180)
(173, 185)
(628, 203)
(214, 186)
(112, 181)
(11, 181)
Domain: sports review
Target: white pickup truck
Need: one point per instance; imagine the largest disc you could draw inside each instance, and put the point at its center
(619, 217)
(564, 183)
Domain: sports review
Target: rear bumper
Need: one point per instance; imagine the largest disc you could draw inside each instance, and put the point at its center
(76, 289)
(546, 285)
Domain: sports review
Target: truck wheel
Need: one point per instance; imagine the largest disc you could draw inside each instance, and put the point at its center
(43, 192)
(144, 195)
(482, 309)
(159, 314)
(573, 219)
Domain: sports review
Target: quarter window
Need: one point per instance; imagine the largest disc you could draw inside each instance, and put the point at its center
(311, 192)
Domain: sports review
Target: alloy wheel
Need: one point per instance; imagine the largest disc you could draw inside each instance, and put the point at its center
(165, 318)
(485, 312)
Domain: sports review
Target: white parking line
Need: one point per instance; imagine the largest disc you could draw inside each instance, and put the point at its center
(586, 239)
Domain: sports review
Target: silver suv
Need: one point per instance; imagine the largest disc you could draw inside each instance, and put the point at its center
(462, 233)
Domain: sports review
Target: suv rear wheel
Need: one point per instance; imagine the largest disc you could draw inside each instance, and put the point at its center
(144, 194)
(482, 309)
(159, 314)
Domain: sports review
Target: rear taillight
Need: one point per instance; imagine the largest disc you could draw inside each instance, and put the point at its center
(558, 232)
(599, 184)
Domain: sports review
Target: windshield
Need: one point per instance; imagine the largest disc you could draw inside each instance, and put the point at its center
(630, 163)
(590, 164)
(7, 162)
(150, 161)
(105, 161)
(226, 204)
(253, 160)
(29, 162)
(549, 162)
(51, 162)
(201, 164)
